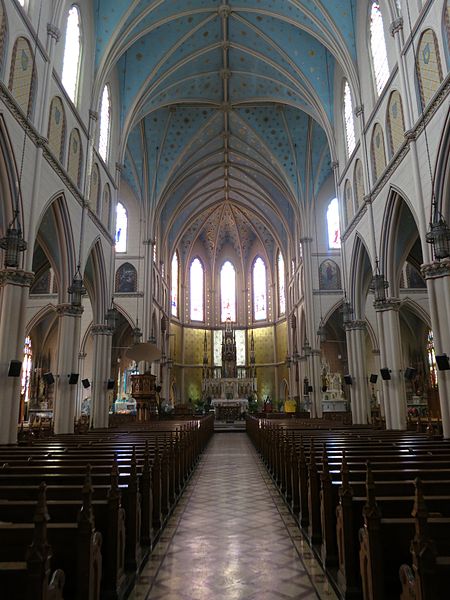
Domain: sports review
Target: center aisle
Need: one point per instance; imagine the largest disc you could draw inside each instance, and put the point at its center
(230, 537)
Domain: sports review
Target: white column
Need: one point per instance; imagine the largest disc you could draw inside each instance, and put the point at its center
(14, 289)
(68, 348)
(391, 357)
(101, 371)
(437, 275)
(356, 351)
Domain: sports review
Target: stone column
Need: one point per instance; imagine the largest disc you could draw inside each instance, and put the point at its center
(68, 348)
(437, 276)
(356, 351)
(315, 374)
(391, 357)
(14, 289)
(101, 371)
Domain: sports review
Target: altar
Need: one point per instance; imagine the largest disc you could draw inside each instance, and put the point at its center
(229, 410)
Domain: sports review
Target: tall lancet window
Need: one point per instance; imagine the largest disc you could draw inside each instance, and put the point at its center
(196, 287)
(174, 285)
(227, 292)
(259, 290)
(281, 285)
(121, 228)
(72, 54)
(334, 230)
(378, 47)
(348, 120)
(26, 369)
(105, 124)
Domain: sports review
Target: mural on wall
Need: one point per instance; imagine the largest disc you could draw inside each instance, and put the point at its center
(41, 285)
(329, 276)
(126, 279)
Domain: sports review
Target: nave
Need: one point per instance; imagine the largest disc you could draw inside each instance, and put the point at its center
(231, 537)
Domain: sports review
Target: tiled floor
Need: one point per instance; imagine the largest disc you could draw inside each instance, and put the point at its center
(231, 537)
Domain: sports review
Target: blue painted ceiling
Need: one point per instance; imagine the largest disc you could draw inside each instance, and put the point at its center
(225, 103)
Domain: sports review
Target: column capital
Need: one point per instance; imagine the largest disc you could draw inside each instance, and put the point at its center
(357, 324)
(69, 310)
(305, 240)
(335, 165)
(396, 26)
(359, 110)
(11, 276)
(388, 304)
(101, 329)
(436, 269)
(53, 31)
(93, 115)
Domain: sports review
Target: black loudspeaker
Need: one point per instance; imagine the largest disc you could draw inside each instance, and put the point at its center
(373, 378)
(110, 384)
(158, 388)
(348, 379)
(442, 362)
(385, 374)
(310, 388)
(85, 383)
(410, 373)
(73, 378)
(48, 378)
(15, 366)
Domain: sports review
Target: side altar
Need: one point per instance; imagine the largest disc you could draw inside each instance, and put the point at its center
(229, 386)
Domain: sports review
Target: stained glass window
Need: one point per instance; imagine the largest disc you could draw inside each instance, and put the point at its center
(26, 369)
(259, 290)
(334, 231)
(72, 54)
(348, 120)
(378, 47)
(196, 289)
(432, 360)
(227, 292)
(174, 286)
(105, 124)
(121, 228)
(281, 286)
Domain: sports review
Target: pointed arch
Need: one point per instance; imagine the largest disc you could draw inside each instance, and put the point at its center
(197, 290)
(358, 184)
(281, 271)
(94, 191)
(360, 277)
(57, 128)
(105, 124)
(96, 281)
(121, 237)
(23, 76)
(3, 35)
(259, 289)
(75, 157)
(349, 122)
(9, 176)
(174, 284)
(329, 275)
(429, 67)
(333, 224)
(395, 123)
(348, 204)
(106, 206)
(126, 279)
(378, 49)
(378, 152)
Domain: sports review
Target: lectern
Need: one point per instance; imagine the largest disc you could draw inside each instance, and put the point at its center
(144, 392)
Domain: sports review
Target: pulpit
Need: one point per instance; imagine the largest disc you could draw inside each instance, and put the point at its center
(143, 390)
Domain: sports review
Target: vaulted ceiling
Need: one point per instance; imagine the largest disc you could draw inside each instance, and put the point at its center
(225, 103)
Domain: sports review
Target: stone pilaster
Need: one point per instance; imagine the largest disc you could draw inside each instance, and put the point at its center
(68, 348)
(101, 370)
(391, 357)
(14, 289)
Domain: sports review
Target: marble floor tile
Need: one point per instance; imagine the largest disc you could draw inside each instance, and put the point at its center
(231, 537)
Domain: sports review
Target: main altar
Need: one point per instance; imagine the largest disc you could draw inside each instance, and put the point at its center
(229, 386)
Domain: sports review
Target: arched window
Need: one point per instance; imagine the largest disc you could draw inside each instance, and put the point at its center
(348, 202)
(3, 34)
(378, 47)
(72, 54)
(333, 227)
(259, 290)
(22, 77)
(105, 124)
(358, 184)
(75, 158)
(428, 66)
(94, 192)
(174, 285)
(121, 228)
(281, 285)
(378, 152)
(396, 124)
(57, 128)
(348, 120)
(26, 370)
(196, 286)
(126, 279)
(106, 206)
(227, 292)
